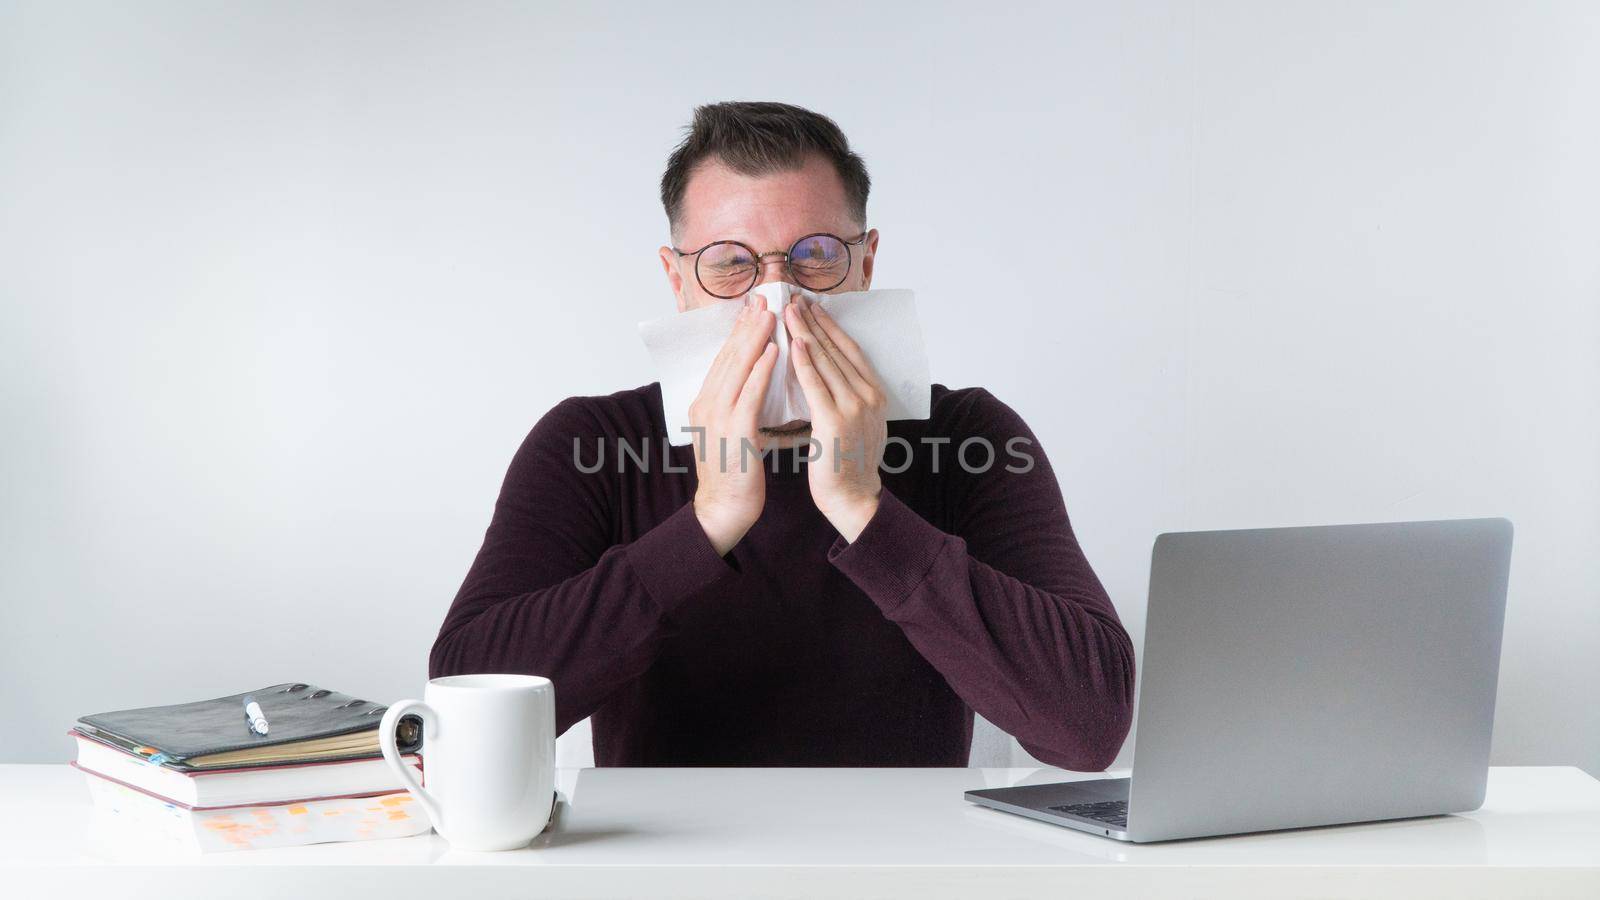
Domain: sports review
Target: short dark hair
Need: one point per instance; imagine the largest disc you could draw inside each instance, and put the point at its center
(759, 138)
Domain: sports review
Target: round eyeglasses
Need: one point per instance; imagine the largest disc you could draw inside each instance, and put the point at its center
(728, 269)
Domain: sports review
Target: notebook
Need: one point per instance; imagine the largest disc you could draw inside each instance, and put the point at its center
(129, 823)
(234, 786)
(305, 723)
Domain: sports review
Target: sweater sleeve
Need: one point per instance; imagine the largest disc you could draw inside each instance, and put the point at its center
(552, 593)
(1007, 607)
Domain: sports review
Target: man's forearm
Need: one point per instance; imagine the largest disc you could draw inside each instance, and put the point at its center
(1052, 669)
(591, 633)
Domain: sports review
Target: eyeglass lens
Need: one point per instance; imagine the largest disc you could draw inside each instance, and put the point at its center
(818, 262)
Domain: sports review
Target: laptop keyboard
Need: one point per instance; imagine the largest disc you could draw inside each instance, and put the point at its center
(1111, 812)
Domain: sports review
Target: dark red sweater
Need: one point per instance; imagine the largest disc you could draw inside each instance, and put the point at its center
(966, 591)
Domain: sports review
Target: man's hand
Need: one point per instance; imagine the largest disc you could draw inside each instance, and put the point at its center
(847, 403)
(732, 486)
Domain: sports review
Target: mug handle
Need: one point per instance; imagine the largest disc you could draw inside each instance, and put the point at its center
(391, 753)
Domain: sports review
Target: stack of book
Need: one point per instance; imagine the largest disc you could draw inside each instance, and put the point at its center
(284, 765)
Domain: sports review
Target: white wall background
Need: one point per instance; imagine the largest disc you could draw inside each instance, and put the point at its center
(282, 286)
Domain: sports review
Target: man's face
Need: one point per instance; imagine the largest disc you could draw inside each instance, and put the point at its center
(767, 213)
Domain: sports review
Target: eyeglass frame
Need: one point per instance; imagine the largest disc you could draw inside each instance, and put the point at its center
(787, 255)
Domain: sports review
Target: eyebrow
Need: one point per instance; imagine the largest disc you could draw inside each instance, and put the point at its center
(845, 234)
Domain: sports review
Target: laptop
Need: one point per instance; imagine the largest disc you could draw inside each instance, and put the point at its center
(1296, 677)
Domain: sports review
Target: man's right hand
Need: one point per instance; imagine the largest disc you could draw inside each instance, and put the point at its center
(732, 485)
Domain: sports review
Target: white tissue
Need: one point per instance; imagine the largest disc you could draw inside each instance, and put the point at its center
(883, 323)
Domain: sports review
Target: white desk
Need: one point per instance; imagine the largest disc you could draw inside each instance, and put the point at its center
(830, 832)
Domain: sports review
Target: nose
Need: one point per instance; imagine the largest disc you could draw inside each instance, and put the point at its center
(772, 267)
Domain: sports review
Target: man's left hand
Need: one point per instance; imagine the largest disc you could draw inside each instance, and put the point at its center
(847, 404)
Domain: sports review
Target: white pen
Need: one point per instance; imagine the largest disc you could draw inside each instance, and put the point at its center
(258, 722)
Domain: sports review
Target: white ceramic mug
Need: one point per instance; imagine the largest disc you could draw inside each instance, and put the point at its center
(488, 757)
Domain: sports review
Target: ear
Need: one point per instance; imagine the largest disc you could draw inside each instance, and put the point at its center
(669, 263)
(869, 251)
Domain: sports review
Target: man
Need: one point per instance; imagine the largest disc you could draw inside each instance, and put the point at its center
(733, 609)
